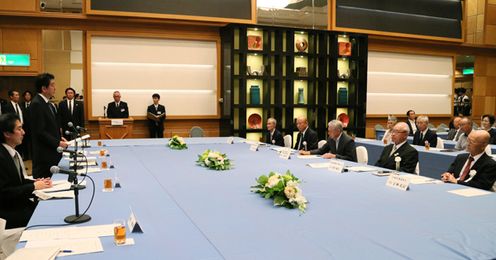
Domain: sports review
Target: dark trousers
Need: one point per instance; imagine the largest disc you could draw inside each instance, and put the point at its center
(156, 130)
(18, 216)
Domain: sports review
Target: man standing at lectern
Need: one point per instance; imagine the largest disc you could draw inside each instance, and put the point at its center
(118, 108)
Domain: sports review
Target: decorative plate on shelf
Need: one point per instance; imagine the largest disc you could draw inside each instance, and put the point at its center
(301, 45)
(343, 117)
(255, 121)
(345, 48)
(255, 43)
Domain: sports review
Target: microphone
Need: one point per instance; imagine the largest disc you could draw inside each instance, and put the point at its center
(305, 144)
(61, 149)
(55, 169)
(273, 142)
(104, 111)
(79, 128)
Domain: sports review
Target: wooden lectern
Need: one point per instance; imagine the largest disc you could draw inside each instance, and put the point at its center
(115, 128)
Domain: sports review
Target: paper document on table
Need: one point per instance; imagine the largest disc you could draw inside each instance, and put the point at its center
(70, 246)
(278, 148)
(54, 195)
(43, 253)
(318, 165)
(61, 185)
(90, 170)
(469, 192)
(83, 159)
(313, 156)
(68, 232)
(84, 163)
(361, 169)
(416, 179)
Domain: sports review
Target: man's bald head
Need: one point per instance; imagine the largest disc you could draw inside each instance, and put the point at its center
(400, 133)
(301, 123)
(477, 141)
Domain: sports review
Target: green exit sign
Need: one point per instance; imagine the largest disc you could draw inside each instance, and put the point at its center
(15, 60)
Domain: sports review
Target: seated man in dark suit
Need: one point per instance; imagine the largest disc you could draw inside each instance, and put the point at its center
(411, 122)
(399, 150)
(475, 169)
(307, 138)
(16, 206)
(118, 108)
(424, 134)
(273, 136)
(339, 145)
(454, 131)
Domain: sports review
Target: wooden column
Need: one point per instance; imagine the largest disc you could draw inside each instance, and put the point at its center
(484, 96)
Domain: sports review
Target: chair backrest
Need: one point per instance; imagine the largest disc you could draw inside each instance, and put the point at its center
(494, 186)
(288, 141)
(417, 169)
(442, 127)
(475, 125)
(440, 143)
(196, 131)
(362, 155)
(321, 143)
(379, 127)
(488, 150)
(431, 126)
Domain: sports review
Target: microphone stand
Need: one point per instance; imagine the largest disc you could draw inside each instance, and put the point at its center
(76, 218)
(75, 186)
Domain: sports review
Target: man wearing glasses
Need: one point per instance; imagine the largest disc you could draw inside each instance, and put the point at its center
(399, 151)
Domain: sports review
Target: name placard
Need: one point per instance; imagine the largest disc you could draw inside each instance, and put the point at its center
(285, 153)
(133, 224)
(116, 122)
(336, 166)
(398, 182)
(230, 140)
(254, 147)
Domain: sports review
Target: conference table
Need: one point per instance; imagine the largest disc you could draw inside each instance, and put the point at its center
(189, 212)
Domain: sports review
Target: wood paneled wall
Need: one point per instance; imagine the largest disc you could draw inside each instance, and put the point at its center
(21, 41)
(490, 23)
(484, 96)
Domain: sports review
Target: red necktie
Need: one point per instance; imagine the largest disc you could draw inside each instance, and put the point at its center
(466, 170)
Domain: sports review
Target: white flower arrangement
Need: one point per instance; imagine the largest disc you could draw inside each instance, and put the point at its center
(177, 143)
(214, 160)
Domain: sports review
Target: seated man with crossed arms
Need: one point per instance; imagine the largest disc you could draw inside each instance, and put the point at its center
(339, 145)
(476, 168)
(399, 149)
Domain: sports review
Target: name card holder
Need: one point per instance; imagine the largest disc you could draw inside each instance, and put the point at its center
(254, 147)
(133, 224)
(398, 182)
(230, 140)
(336, 166)
(285, 153)
(116, 122)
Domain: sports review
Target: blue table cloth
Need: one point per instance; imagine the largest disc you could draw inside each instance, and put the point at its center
(189, 212)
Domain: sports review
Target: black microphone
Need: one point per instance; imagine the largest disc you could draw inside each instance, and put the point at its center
(55, 169)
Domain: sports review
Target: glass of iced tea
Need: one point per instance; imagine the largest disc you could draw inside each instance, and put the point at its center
(107, 184)
(99, 143)
(104, 164)
(102, 152)
(119, 232)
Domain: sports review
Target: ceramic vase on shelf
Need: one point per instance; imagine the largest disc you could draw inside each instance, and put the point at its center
(255, 95)
(342, 96)
(301, 98)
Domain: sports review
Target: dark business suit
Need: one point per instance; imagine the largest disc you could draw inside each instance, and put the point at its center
(310, 137)
(15, 193)
(26, 141)
(45, 133)
(346, 148)
(277, 137)
(65, 116)
(117, 112)
(410, 127)
(451, 134)
(492, 133)
(156, 127)
(485, 168)
(408, 155)
(9, 108)
(429, 136)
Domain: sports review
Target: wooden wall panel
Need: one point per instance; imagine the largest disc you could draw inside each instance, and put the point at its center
(19, 5)
(484, 97)
(22, 41)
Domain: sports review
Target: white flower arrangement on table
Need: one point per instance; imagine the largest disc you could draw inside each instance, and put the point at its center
(177, 143)
(283, 189)
(214, 160)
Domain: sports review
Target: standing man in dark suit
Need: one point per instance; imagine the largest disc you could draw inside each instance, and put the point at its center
(156, 117)
(26, 141)
(72, 111)
(410, 121)
(400, 151)
(16, 206)
(118, 108)
(13, 106)
(273, 136)
(475, 169)
(45, 128)
(424, 134)
(339, 145)
(307, 138)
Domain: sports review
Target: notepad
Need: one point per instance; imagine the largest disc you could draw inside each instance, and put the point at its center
(68, 232)
(90, 170)
(307, 156)
(76, 246)
(61, 186)
(43, 253)
(361, 169)
(470, 192)
(54, 195)
(416, 179)
(318, 165)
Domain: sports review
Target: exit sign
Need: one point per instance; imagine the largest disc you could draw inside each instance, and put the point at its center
(15, 60)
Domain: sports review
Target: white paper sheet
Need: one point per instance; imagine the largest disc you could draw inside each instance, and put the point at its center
(469, 192)
(44, 253)
(319, 165)
(416, 179)
(77, 246)
(54, 195)
(90, 170)
(361, 169)
(61, 185)
(307, 156)
(68, 232)
(89, 163)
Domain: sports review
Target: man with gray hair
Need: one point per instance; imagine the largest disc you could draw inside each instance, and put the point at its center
(339, 145)
(424, 134)
(118, 108)
(307, 138)
(399, 151)
(273, 136)
(465, 128)
(476, 168)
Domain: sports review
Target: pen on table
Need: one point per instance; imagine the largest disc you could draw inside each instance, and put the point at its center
(65, 251)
